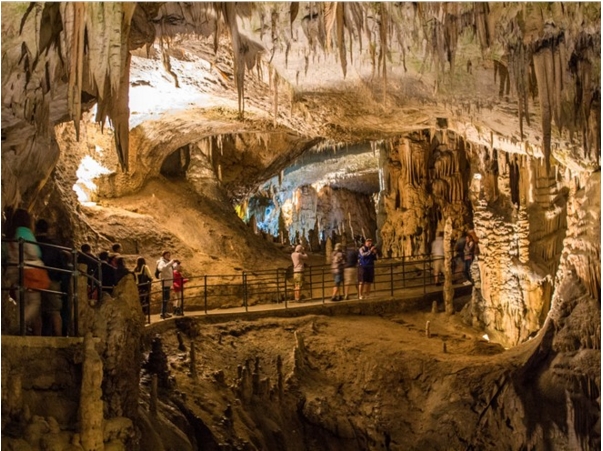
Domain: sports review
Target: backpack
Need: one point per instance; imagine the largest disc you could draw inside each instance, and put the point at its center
(142, 278)
(157, 272)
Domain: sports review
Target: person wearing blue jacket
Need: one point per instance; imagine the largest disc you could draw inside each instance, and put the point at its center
(367, 254)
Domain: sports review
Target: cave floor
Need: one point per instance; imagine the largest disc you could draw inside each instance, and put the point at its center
(346, 363)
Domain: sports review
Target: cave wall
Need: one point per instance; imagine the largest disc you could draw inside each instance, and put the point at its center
(425, 181)
(515, 206)
(310, 216)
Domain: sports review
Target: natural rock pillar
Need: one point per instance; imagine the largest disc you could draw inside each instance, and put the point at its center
(91, 404)
(448, 291)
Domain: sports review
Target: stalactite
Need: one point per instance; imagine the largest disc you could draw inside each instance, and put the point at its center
(275, 87)
(384, 22)
(75, 51)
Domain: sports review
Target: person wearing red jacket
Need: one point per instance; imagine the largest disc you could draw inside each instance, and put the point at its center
(178, 288)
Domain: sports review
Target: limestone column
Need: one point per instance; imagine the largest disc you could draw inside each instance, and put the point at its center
(448, 291)
(91, 404)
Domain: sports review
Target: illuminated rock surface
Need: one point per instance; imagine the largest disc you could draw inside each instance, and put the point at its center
(326, 121)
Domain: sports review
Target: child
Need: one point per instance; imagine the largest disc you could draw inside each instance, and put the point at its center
(178, 287)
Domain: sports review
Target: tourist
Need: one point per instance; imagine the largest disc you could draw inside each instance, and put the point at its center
(121, 270)
(165, 269)
(350, 272)
(51, 303)
(107, 273)
(298, 257)
(366, 273)
(437, 255)
(91, 267)
(116, 248)
(468, 255)
(337, 265)
(179, 282)
(32, 255)
(143, 281)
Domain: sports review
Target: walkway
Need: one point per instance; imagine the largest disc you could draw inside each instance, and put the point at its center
(379, 303)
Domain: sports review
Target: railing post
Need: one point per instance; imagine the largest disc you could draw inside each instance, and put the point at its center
(424, 275)
(205, 292)
(391, 279)
(100, 281)
(278, 293)
(323, 284)
(73, 314)
(22, 327)
(182, 298)
(245, 291)
(311, 291)
(286, 295)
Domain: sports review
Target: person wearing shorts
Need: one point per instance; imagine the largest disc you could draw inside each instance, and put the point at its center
(337, 266)
(350, 272)
(437, 256)
(366, 272)
(298, 257)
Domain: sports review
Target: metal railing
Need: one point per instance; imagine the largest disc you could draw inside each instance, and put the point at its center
(245, 289)
(275, 286)
(18, 286)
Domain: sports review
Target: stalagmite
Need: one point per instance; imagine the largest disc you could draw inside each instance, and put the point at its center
(91, 403)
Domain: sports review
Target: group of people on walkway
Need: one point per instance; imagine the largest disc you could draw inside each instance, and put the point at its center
(357, 266)
(113, 269)
(354, 268)
(45, 292)
(168, 270)
(466, 249)
(45, 281)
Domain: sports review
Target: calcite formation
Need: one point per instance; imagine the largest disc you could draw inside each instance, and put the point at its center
(318, 123)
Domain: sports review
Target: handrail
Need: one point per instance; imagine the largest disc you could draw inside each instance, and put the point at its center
(72, 294)
(244, 289)
(273, 286)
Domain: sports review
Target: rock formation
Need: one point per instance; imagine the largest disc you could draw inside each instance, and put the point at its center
(319, 123)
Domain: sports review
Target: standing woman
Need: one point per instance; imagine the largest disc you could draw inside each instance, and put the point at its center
(143, 280)
(178, 286)
(31, 255)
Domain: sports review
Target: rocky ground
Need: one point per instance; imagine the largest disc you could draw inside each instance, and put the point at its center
(328, 382)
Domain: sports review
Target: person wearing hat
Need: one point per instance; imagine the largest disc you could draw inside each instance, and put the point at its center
(165, 267)
(337, 264)
(298, 257)
(366, 271)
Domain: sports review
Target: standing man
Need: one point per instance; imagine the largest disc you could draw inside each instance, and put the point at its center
(337, 265)
(165, 266)
(437, 255)
(366, 272)
(350, 272)
(298, 257)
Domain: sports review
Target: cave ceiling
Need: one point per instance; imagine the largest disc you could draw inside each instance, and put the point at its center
(315, 76)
